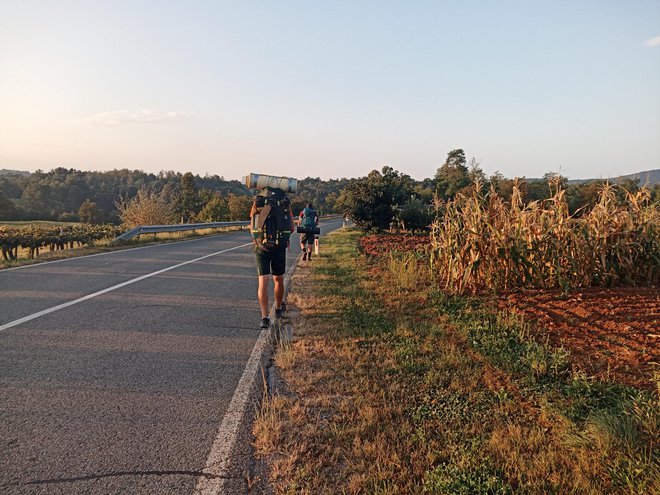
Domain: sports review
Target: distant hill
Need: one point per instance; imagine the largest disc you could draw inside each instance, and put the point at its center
(651, 177)
(6, 172)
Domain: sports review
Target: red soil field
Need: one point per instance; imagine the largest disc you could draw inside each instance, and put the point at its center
(376, 245)
(611, 333)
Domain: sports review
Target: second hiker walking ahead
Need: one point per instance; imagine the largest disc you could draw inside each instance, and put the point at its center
(308, 222)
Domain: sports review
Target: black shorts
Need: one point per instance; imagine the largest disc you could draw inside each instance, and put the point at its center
(307, 239)
(270, 261)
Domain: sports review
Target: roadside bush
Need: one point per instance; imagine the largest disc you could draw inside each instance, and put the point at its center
(371, 201)
(147, 207)
(415, 215)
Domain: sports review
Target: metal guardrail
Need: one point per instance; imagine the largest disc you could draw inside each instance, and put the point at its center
(156, 229)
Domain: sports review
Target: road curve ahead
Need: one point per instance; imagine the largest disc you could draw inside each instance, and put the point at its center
(116, 369)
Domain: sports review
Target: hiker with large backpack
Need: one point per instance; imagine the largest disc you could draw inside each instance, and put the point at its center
(271, 224)
(308, 222)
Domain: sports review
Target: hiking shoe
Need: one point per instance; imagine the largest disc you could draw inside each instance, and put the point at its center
(265, 323)
(279, 313)
(304, 255)
(310, 257)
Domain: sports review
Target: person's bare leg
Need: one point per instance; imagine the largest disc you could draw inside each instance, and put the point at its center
(262, 294)
(279, 290)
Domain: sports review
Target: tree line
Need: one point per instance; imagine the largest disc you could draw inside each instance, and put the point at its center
(388, 198)
(376, 202)
(58, 195)
(130, 196)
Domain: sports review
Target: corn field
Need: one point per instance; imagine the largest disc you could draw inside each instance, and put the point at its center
(485, 243)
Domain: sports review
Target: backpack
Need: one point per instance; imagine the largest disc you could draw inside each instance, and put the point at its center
(309, 218)
(270, 224)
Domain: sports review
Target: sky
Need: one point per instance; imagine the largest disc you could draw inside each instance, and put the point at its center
(330, 89)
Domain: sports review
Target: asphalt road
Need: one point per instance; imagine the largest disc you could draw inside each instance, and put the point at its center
(123, 392)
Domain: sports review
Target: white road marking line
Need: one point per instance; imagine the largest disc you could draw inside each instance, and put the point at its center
(42, 263)
(110, 289)
(219, 459)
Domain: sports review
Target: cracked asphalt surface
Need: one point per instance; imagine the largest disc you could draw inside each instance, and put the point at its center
(124, 392)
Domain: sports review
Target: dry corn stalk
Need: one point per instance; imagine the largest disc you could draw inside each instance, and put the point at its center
(485, 243)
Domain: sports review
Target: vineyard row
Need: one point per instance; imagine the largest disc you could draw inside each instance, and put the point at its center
(33, 239)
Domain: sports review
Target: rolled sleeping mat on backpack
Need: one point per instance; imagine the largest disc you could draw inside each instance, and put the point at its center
(308, 230)
(260, 181)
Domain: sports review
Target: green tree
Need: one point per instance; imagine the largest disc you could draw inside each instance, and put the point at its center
(475, 173)
(502, 185)
(372, 201)
(322, 194)
(655, 194)
(191, 203)
(424, 193)
(582, 197)
(205, 195)
(415, 214)
(538, 190)
(239, 207)
(7, 209)
(626, 186)
(215, 210)
(89, 213)
(453, 175)
(330, 202)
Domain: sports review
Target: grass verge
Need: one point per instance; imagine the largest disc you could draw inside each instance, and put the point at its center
(394, 387)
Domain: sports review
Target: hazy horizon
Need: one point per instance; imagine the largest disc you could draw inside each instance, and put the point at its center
(241, 178)
(330, 90)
